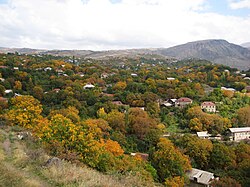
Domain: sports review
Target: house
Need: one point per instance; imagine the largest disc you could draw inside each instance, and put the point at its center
(168, 103)
(203, 134)
(8, 91)
(134, 74)
(206, 135)
(47, 69)
(208, 106)
(170, 78)
(182, 102)
(197, 176)
(238, 134)
(228, 89)
(88, 86)
(104, 75)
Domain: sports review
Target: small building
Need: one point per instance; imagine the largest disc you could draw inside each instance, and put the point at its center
(89, 86)
(183, 101)
(206, 135)
(170, 78)
(197, 176)
(168, 103)
(8, 91)
(208, 106)
(228, 89)
(203, 134)
(238, 134)
(47, 69)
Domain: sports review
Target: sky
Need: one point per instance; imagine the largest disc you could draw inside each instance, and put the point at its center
(121, 24)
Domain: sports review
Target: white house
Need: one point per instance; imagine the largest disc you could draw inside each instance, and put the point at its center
(238, 134)
(208, 106)
(201, 177)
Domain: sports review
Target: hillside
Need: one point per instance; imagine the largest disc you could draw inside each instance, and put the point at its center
(217, 51)
(22, 163)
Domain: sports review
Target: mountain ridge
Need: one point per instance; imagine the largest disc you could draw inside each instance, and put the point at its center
(218, 51)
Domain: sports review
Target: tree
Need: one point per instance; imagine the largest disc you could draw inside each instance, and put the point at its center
(24, 111)
(18, 85)
(243, 116)
(197, 149)
(140, 123)
(175, 182)
(120, 86)
(38, 92)
(225, 182)
(169, 161)
(222, 157)
(116, 120)
(195, 124)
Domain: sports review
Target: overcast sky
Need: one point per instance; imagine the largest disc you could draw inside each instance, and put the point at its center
(119, 24)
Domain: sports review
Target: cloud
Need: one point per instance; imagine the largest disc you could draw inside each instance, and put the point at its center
(239, 4)
(101, 24)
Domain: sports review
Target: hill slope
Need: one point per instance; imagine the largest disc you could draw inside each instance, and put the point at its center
(217, 51)
(22, 164)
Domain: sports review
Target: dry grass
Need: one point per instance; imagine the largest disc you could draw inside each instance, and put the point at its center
(21, 164)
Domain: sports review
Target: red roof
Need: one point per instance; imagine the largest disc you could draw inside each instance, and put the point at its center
(207, 103)
(184, 99)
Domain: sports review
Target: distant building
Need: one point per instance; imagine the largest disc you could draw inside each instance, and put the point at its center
(182, 102)
(228, 89)
(203, 178)
(168, 103)
(238, 134)
(47, 69)
(89, 86)
(208, 106)
(8, 91)
(170, 78)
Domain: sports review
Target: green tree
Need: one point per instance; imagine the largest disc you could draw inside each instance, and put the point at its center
(169, 161)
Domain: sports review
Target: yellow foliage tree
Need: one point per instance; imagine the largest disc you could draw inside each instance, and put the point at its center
(24, 111)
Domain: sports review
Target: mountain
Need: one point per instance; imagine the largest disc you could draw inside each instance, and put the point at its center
(246, 45)
(216, 51)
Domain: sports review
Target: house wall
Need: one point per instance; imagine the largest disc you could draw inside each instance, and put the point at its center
(209, 108)
(241, 136)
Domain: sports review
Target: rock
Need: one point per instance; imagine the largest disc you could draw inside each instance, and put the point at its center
(53, 161)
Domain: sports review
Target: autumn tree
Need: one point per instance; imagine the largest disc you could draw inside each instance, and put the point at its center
(225, 182)
(24, 111)
(197, 149)
(116, 120)
(169, 161)
(140, 123)
(243, 116)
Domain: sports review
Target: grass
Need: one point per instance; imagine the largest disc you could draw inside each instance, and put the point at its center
(21, 164)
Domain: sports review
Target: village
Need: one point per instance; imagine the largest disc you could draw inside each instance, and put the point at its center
(133, 103)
